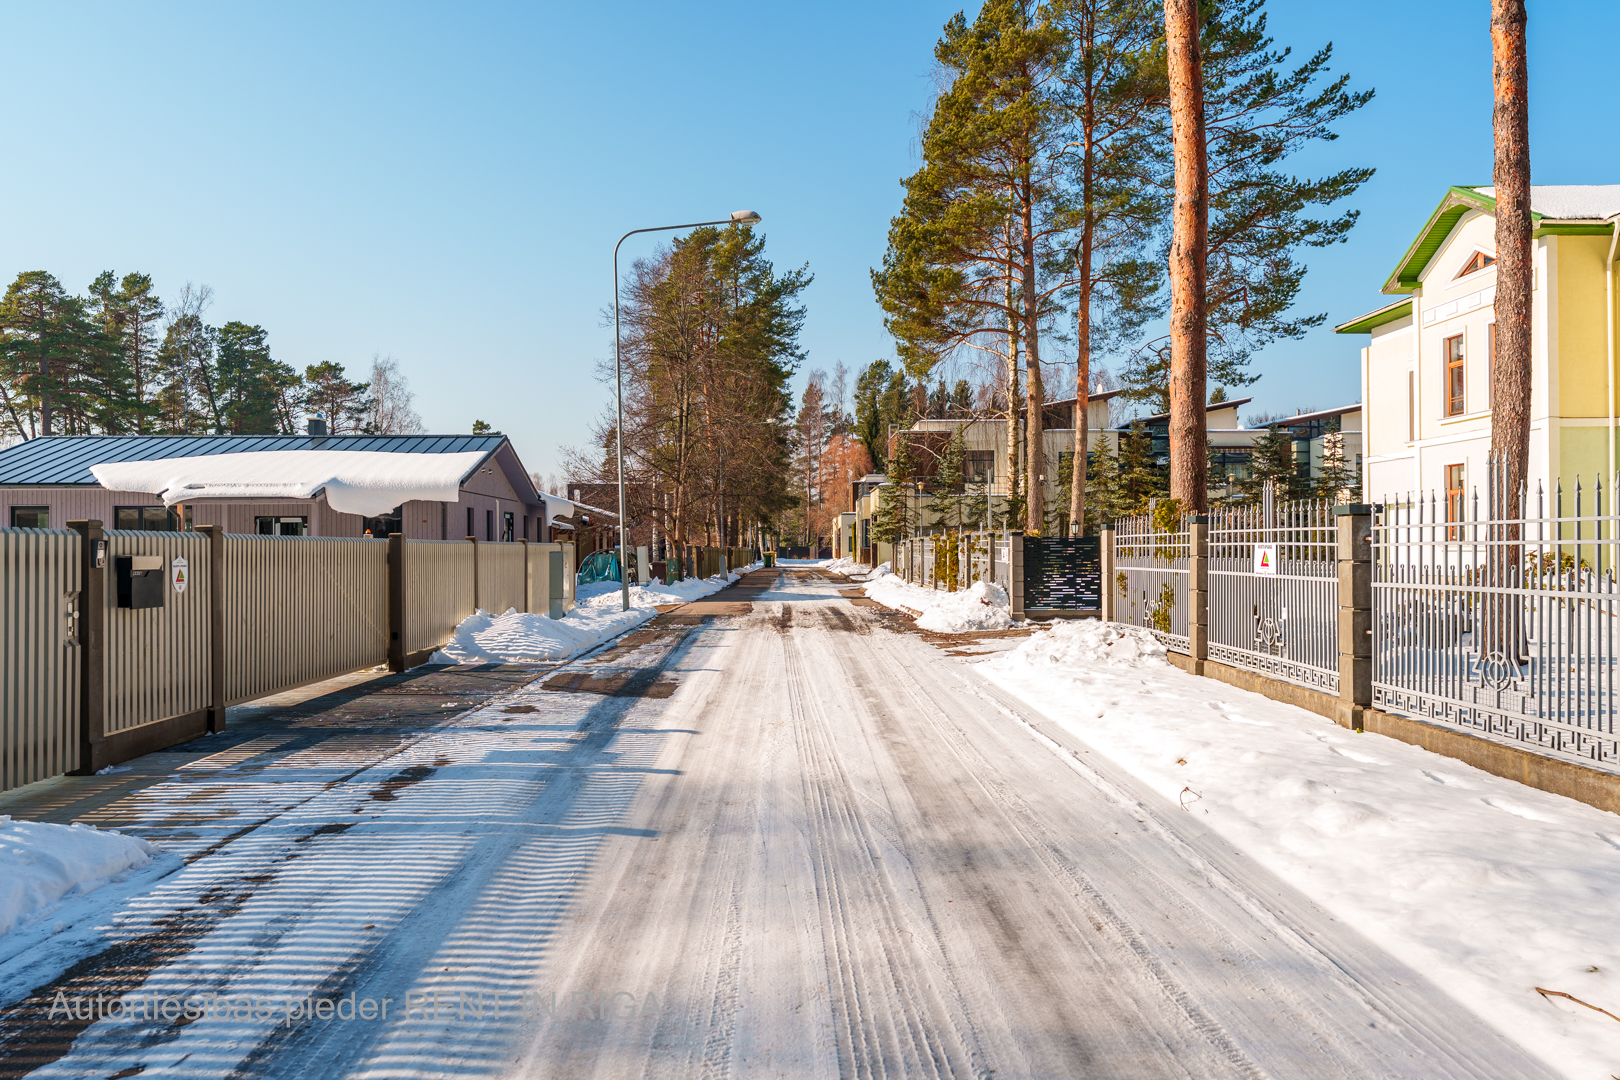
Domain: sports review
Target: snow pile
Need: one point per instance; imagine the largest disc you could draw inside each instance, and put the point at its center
(598, 614)
(41, 863)
(982, 606)
(369, 483)
(1488, 887)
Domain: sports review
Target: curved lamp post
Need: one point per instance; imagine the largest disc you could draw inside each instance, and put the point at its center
(738, 217)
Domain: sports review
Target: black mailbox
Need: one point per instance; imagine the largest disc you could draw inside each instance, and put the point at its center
(140, 580)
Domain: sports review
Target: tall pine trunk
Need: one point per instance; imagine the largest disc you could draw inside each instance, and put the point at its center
(1510, 375)
(1012, 384)
(1082, 341)
(1034, 386)
(1189, 457)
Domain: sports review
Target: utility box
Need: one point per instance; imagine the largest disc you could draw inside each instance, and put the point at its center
(555, 596)
(141, 581)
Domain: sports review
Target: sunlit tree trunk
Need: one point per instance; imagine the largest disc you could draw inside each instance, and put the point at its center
(1189, 458)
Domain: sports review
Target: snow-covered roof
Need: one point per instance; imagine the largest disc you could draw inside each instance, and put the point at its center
(367, 483)
(1570, 202)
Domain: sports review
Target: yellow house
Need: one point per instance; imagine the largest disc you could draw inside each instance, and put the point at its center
(1425, 374)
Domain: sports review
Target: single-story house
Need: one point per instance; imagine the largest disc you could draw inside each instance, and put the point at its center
(428, 487)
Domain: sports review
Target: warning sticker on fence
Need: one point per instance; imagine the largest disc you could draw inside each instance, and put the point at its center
(1265, 559)
(179, 573)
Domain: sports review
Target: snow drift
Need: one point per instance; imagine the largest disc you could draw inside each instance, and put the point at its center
(515, 637)
(981, 606)
(42, 863)
(364, 482)
(1489, 887)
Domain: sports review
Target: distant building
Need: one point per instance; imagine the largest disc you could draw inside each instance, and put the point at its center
(46, 482)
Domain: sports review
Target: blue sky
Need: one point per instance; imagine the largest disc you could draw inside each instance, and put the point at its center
(445, 183)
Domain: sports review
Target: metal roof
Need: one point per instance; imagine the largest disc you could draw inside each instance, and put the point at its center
(66, 459)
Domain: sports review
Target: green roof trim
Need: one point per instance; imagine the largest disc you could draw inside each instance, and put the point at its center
(1400, 309)
(1574, 229)
(1458, 201)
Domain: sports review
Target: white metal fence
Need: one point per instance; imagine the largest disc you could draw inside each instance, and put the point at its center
(1274, 591)
(1502, 624)
(1151, 579)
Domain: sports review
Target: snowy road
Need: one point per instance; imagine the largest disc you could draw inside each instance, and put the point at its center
(766, 835)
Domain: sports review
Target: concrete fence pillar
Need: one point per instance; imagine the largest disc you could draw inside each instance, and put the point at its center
(1198, 591)
(216, 626)
(396, 601)
(1355, 614)
(1105, 557)
(92, 643)
(1015, 579)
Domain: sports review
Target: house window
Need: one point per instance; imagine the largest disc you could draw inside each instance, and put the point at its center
(150, 519)
(30, 517)
(1454, 498)
(470, 533)
(386, 525)
(281, 526)
(489, 525)
(981, 467)
(1479, 262)
(1452, 350)
(508, 526)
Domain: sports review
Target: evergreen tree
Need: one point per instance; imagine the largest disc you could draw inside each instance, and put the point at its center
(975, 255)
(127, 314)
(1141, 475)
(330, 393)
(950, 495)
(1272, 460)
(1106, 501)
(1338, 480)
(251, 385)
(871, 428)
(896, 516)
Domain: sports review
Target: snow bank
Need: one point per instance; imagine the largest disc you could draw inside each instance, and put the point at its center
(982, 606)
(41, 863)
(1488, 887)
(364, 482)
(598, 615)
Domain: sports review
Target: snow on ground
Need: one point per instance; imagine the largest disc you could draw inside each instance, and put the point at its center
(598, 615)
(983, 606)
(1490, 888)
(40, 864)
(853, 570)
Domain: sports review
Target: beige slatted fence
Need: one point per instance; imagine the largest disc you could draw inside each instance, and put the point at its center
(157, 658)
(439, 590)
(39, 655)
(500, 577)
(299, 609)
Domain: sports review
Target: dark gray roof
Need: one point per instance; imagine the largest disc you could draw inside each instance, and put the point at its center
(66, 459)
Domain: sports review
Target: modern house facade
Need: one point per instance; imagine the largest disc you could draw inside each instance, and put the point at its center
(46, 482)
(1426, 371)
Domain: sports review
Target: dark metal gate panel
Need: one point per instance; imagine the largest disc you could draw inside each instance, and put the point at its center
(1063, 572)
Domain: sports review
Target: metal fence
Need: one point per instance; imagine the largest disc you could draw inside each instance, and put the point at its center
(439, 590)
(1274, 591)
(953, 561)
(501, 573)
(300, 609)
(158, 658)
(1062, 573)
(1151, 579)
(39, 654)
(1502, 624)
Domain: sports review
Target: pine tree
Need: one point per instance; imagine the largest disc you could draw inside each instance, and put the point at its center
(950, 496)
(1272, 461)
(896, 516)
(973, 256)
(1141, 476)
(331, 394)
(1107, 499)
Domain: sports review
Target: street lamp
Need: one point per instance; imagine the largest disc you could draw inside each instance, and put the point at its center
(738, 217)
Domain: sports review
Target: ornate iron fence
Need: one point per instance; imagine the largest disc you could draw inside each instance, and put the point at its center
(1503, 624)
(1151, 579)
(1274, 591)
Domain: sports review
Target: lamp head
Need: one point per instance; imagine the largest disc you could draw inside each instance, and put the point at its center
(745, 217)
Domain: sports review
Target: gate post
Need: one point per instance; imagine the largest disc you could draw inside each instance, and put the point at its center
(1198, 590)
(474, 541)
(1015, 578)
(396, 602)
(1355, 614)
(216, 626)
(526, 603)
(1105, 557)
(92, 643)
